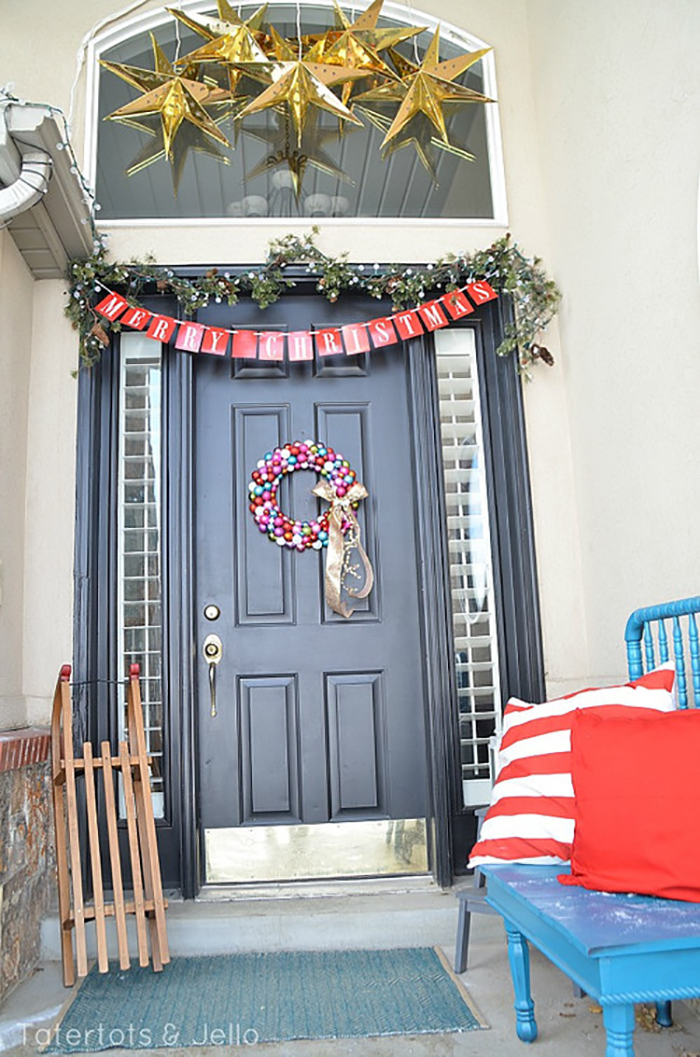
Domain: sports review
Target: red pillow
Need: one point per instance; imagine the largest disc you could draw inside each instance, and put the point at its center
(531, 817)
(637, 786)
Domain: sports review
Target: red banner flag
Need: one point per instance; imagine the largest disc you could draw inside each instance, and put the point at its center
(189, 337)
(215, 341)
(135, 318)
(271, 345)
(245, 345)
(112, 306)
(355, 338)
(328, 342)
(161, 328)
(457, 304)
(300, 345)
(432, 315)
(382, 332)
(481, 292)
(408, 324)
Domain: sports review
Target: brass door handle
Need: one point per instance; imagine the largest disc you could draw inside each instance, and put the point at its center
(213, 650)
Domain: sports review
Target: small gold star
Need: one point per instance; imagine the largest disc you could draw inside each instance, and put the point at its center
(427, 89)
(176, 97)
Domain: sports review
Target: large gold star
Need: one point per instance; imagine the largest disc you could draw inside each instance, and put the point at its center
(427, 89)
(175, 97)
(300, 85)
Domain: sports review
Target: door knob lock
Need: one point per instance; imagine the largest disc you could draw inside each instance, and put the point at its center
(213, 650)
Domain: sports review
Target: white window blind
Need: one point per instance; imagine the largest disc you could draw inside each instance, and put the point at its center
(471, 580)
(139, 609)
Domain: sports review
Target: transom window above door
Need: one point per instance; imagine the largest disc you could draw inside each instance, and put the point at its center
(269, 162)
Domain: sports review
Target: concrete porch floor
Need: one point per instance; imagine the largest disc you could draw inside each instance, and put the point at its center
(374, 916)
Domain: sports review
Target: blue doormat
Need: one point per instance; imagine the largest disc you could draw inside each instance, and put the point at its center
(242, 999)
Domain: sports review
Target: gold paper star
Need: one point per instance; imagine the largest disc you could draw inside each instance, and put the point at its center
(301, 85)
(237, 44)
(428, 89)
(349, 50)
(176, 97)
(365, 29)
(228, 21)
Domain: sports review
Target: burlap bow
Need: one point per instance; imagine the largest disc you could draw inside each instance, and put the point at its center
(341, 545)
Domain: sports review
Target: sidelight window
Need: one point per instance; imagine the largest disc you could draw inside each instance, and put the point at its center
(470, 566)
(139, 528)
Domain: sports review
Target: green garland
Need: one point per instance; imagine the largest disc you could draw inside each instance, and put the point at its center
(535, 297)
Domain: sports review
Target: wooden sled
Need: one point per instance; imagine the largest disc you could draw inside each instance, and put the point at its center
(68, 772)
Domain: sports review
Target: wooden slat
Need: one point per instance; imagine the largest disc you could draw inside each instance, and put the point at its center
(115, 762)
(95, 862)
(146, 824)
(74, 838)
(129, 908)
(139, 910)
(114, 859)
(60, 834)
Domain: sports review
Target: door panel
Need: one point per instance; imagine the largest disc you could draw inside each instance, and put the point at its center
(319, 718)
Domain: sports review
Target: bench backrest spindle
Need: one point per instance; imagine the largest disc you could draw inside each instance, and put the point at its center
(648, 626)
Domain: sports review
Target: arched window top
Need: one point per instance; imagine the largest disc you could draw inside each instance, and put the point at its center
(272, 168)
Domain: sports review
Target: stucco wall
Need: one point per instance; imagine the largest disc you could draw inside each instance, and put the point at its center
(617, 103)
(15, 358)
(601, 159)
(50, 503)
(37, 489)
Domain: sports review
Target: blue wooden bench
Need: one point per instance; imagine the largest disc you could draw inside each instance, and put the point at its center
(618, 949)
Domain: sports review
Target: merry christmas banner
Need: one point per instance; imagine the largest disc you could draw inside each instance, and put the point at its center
(349, 339)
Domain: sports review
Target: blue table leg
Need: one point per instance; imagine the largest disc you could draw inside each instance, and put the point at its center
(519, 958)
(664, 1015)
(619, 1029)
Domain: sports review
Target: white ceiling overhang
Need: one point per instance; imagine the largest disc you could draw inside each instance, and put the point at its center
(52, 225)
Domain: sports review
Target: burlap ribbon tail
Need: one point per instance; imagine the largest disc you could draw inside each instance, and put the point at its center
(341, 546)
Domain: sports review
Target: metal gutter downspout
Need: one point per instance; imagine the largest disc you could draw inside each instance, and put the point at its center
(32, 182)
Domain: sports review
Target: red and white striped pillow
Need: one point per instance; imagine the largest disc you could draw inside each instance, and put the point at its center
(531, 817)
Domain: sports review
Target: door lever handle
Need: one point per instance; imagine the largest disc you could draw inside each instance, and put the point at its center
(213, 650)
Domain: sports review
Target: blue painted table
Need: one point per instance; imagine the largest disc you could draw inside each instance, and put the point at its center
(620, 949)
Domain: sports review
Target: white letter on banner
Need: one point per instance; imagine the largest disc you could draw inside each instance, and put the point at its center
(329, 342)
(112, 306)
(407, 320)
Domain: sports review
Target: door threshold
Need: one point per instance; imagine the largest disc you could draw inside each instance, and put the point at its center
(319, 889)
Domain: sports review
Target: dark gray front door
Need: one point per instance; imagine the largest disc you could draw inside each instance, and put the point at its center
(320, 720)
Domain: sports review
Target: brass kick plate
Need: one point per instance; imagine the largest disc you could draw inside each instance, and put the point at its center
(333, 849)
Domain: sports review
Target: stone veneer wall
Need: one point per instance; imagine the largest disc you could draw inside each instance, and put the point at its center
(27, 860)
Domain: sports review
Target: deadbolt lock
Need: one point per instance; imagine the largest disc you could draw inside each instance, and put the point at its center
(212, 612)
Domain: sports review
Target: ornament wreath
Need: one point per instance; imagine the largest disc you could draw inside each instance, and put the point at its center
(266, 478)
(534, 296)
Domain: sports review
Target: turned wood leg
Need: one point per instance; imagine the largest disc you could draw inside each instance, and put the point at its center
(519, 958)
(619, 1029)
